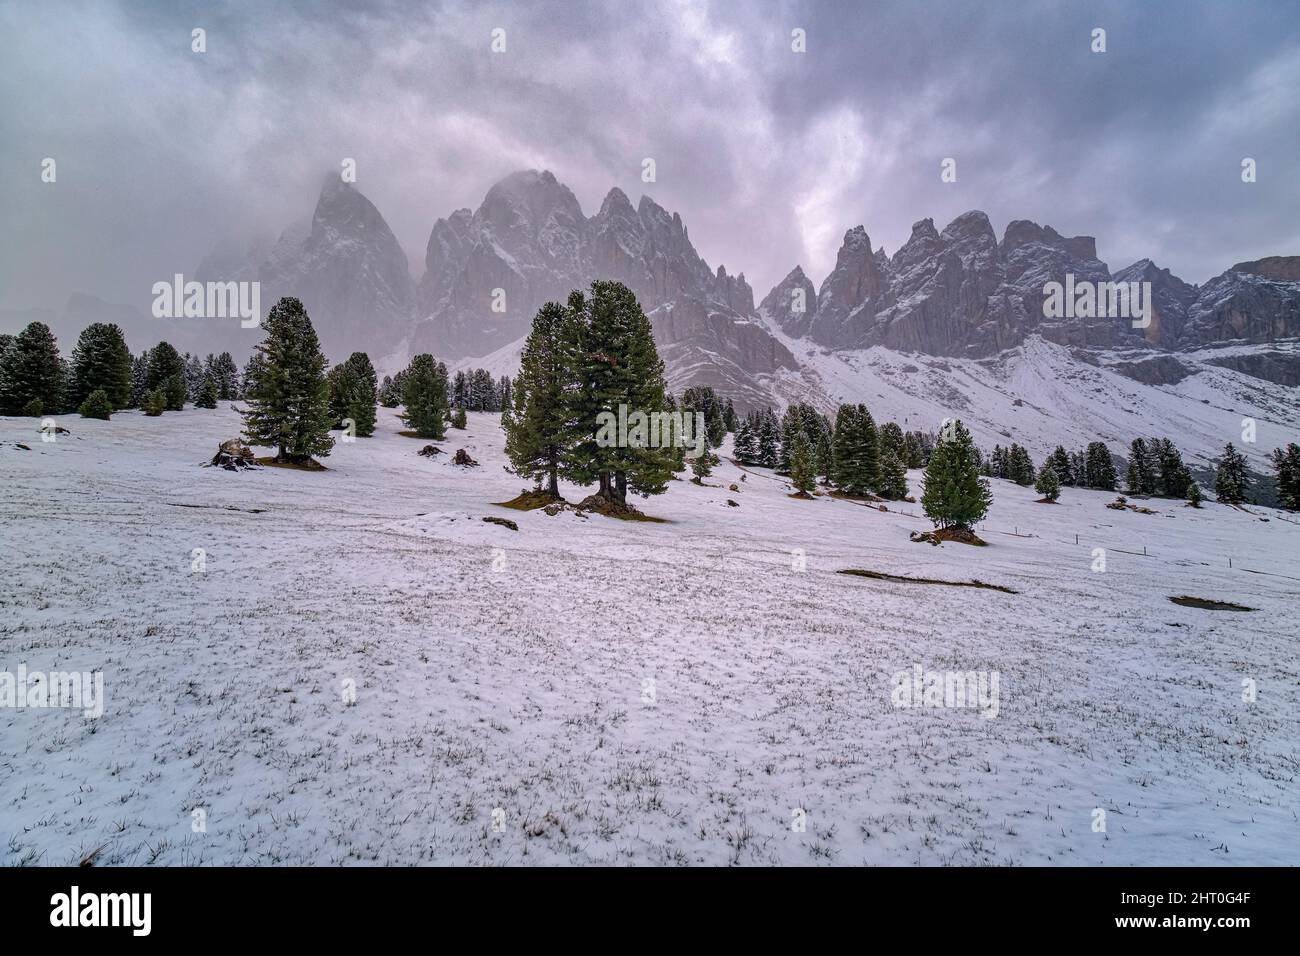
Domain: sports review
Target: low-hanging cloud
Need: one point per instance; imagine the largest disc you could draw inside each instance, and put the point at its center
(769, 155)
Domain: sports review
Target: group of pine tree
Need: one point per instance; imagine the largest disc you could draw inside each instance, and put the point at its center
(852, 455)
(591, 354)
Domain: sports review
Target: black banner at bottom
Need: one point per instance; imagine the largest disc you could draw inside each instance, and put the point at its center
(337, 905)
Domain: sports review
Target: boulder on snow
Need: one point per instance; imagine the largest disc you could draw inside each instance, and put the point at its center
(233, 455)
(504, 522)
(428, 451)
(735, 487)
(462, 458)
(733, 504)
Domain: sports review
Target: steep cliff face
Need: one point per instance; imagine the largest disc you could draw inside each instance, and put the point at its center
(960, 292)
(530, 240)
(1252, 301)
(792, 303)
(349, 271)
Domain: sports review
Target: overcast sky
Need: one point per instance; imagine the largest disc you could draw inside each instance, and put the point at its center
(768, 154)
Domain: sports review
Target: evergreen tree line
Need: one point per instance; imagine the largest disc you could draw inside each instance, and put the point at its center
(1092, 467)
(103, 377)
(852, 455)
(477, 391)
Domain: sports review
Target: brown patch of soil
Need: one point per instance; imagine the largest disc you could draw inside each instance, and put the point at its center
(612, 509)
(1046, 501)
(530, 501)
(801, 494)
(408, 433)
(504, 522)
(311, 464)
(1186, 600)
(902, 579)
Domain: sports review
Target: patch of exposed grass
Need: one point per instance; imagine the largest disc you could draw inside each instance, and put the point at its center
(530, 501)
(903, 579)
(1186, 600)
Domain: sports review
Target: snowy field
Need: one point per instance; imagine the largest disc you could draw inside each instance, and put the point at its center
(596, 691)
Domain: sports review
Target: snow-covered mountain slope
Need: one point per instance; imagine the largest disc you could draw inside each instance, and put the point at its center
(624, 693)
(1041, 394)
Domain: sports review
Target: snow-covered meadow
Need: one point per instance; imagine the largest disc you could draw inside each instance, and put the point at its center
(586, 690)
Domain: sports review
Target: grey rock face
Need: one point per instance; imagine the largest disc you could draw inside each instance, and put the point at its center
(960, 292)
(850, 297)
(1282, 368)
(349, 271)
(530, 239)
(792, 303)
(1246, 303)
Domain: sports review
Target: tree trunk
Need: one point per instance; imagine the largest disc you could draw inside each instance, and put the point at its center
(605, 491)
(621, 487)
(553, 483)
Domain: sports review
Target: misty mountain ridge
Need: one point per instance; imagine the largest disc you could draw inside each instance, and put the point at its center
(959, 293)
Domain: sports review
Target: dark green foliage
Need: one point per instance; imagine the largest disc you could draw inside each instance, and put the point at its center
(164, 362)
(745, 447)
(893, 476)
(389, 395)
(919, 447)
(702, 464)
(1100, 467)
(225, 373)
(1231, 481)
(802, 475)
(96, 405)
(1020, 467)
(767, 433)
(616, 365)
(1194, 496)
(475, 391)
(424, 395)
(1048, 483)
(139, 379)
(207, 396)
(174, 389)
(954, 495)
(353, 394)
(101, 361)
(1172, 475)
(1141, 477)
(856, 451)
(34, 409)
(892, 440)
(289, 398)
(459, 418)
(800, 420)
(1287, 466)
(155, 402)
(30, 369)
(1060, 462)
(702, 398)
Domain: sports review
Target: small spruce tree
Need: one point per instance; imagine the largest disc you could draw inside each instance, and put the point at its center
(1049, 483)
(207, 396)
(893, 477)
(155, 402)
(802, 473)
(954, 494)
(1231, 481)
(96, 405)
(289, 400)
